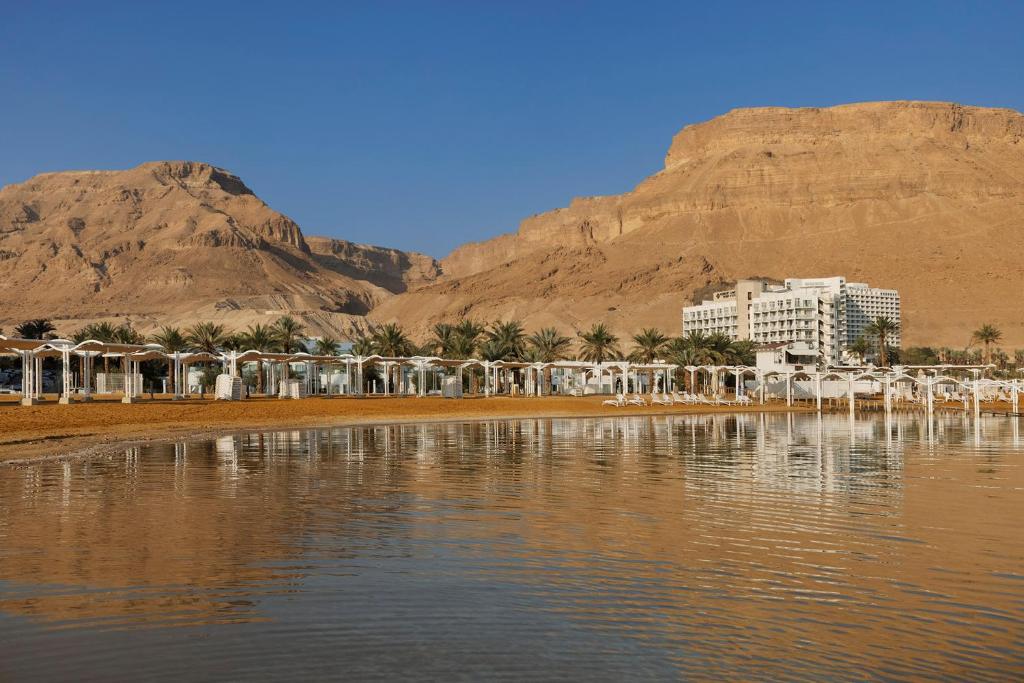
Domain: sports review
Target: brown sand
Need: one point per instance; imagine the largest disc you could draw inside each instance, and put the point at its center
(50, 430)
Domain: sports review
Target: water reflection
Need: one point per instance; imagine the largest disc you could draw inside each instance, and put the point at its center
(725, 545)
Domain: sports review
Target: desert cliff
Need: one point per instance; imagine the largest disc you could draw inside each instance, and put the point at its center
(924, 197)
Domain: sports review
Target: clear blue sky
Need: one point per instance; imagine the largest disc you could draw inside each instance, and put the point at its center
(423, 125)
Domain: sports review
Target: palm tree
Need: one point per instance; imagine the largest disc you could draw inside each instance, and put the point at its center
(550, 344)
(647, 346)
(988, 335)
(547, 345)
(126, 334)
(40, 328)
(233, 341)
(681, 352)
(881, 328)
(471, 330)
(510, 337)
(101, 332)
(173, 341)
(443, 340)
(258, 338)
(390, 340)
(327, 346)
(289, 332)
(742, 352)
(599, 344)
(362, 345)
(171, 338)
(859, 348)
(491, 350)
(466, 344)
(207, 336)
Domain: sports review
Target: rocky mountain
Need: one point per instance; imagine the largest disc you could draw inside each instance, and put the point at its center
(925, 197)
(177, 242)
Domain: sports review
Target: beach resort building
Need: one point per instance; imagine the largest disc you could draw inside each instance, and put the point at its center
(823, 314)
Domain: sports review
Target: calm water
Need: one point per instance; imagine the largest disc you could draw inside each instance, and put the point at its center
(743, 547)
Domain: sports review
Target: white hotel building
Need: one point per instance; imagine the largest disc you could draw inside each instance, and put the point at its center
(825, 315)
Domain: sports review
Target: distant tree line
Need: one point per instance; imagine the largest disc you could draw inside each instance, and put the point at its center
(510, 341)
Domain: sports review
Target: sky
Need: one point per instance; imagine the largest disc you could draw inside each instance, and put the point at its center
(425, 125)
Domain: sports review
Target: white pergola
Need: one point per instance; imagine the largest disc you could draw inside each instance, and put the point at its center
(498, 375)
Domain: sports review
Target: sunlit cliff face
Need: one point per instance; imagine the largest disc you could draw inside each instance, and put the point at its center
(922, 197)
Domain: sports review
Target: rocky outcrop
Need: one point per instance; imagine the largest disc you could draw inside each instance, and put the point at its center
(925, 197)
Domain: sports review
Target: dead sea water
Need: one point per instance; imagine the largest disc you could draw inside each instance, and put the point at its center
(704, 547)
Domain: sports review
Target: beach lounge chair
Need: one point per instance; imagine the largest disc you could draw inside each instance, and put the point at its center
(637, 400)
(743, 401)
(619, 401)
(663, 400)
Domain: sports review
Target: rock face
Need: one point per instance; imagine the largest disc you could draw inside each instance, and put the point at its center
(178, 242)
(924, 197)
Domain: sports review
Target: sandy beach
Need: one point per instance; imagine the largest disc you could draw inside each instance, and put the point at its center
(51, 430)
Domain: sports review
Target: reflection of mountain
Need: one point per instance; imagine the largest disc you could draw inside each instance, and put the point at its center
(694, 532)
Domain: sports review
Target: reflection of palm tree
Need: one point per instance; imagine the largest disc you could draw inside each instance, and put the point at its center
(988, 335)
(882, 328)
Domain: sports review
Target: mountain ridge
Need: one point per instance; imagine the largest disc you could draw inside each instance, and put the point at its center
(924, 197)
(171, 242)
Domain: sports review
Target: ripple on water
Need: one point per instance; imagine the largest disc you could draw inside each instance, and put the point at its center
(742, 547)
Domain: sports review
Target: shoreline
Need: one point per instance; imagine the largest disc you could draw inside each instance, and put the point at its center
(55, 432)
